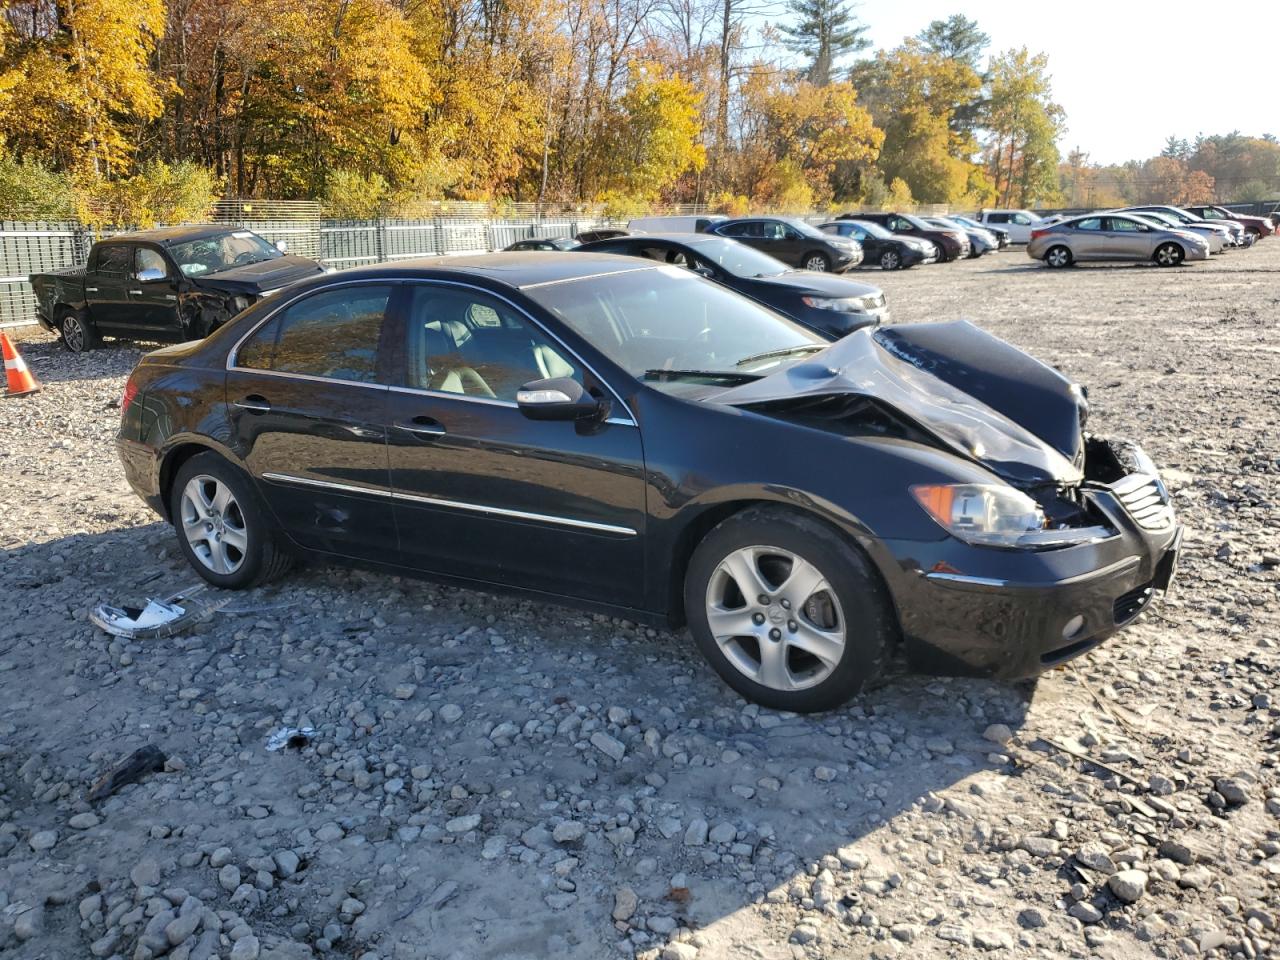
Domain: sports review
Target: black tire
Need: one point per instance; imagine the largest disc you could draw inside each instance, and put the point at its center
(816, 260)
(1058, 257)
(262, 560)
(78, 333)
(870, 627)
(1169, 254)
(891, 260)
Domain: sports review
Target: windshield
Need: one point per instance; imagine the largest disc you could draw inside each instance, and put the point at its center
(740, 259)
(222, 252)
(1159, 219)
(915, 221)
(666, 318)
(874, 229)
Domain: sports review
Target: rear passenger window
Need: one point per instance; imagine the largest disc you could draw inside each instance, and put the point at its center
(997, 218)
(332, 334)
(1092, 223)
(467, 343)
(113, 261)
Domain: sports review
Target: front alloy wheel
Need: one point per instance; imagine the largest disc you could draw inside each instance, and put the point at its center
(889, 260)
(775, 618)
(817, 262)
(1169, 255)
(790, 614)
(214, 524)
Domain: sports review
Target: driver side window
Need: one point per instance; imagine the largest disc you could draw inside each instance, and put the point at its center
(145, 259)
(467, 343)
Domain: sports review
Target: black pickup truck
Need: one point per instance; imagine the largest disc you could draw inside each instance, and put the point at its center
(173, 284)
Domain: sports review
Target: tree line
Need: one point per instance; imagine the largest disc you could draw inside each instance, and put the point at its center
(137, 110)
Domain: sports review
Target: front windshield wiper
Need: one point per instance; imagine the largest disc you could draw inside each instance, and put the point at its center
(732, 376)
(784, 352)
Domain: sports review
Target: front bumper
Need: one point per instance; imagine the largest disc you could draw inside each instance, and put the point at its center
(975, 611)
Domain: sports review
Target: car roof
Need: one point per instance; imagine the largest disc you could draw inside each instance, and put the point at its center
(167, 235)
(513, 269)
(672, 237)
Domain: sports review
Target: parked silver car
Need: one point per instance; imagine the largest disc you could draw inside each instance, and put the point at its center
(1218, 237)
(1114, 236)
(1188, 219)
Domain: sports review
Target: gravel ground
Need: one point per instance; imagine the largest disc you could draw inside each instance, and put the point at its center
(491, 778)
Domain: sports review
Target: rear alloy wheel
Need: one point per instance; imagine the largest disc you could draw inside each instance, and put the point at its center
(78, 335)
(1169, 254)
(788, 613)
(890, 260)
(818, 262)
(1058, 257)
(222, 529)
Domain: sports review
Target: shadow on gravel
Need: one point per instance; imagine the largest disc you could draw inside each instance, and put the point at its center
(455, 730)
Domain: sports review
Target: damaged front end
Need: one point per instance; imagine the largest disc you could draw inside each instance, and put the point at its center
(1069, 538)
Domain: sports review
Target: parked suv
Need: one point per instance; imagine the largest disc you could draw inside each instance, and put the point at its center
(882, 247)
(1258, 226)
(1019, 223)
(952, 244)
(794, 242)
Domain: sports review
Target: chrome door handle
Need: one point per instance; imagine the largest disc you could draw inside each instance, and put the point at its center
(253, 404)
(422, 427)
(90, 289)
(135, 293)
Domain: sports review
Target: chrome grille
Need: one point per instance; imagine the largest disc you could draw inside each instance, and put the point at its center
(1146, 499)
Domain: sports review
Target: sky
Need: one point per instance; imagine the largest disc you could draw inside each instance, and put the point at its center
(1129, 73)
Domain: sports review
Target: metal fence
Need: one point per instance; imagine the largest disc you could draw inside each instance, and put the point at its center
(27, 248)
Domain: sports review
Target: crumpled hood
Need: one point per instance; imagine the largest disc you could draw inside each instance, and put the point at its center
(263, 275)
(977, 395)
(820, 284)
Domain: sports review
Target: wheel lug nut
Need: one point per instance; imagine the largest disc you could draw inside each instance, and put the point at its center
(786, 604)
(757, 618)
(762, 600)
(775, 634)
(792, 626)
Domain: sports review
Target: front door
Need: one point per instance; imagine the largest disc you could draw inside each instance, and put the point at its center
(307, 401)
(484, 493)
(1127, 239)
(153, 294)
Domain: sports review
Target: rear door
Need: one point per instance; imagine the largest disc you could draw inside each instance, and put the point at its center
(1128, 240)
(307, 401)
(153, 292)
(484, 493)
(106, 287)
(1088, 240)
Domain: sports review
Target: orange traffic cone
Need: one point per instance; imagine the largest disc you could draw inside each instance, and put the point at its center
(20, 380)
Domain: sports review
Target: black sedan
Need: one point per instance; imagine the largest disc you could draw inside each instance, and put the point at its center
(880, 246)
(832, 305)
(633, 438)
(542, 243)
(794, 242)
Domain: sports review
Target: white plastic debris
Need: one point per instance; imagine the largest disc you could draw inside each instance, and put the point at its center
(294, 737)
(158, 618)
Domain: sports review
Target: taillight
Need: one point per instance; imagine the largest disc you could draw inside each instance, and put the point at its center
(1038, 233)
(130, 391)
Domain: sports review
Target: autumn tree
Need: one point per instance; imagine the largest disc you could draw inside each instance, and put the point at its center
(913, 95)
(1024, 123)
(76, 77)
(825, 31)
(655, 134)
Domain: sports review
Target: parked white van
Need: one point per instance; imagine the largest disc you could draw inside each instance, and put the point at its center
(1018, 223)
(697, 224)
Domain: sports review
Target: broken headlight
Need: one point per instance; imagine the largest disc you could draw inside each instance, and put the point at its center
(994, 515)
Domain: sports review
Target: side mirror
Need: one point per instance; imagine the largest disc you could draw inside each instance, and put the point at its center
(559, 398)
(151, 274)
(282, 246)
